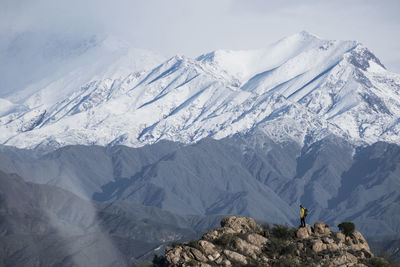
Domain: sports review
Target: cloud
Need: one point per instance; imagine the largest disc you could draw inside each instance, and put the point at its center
(193, 27)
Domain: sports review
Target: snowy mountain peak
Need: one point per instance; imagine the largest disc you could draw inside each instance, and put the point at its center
(300, 50)
(301, 87)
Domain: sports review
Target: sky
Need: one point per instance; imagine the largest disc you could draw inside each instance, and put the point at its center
(194, 27)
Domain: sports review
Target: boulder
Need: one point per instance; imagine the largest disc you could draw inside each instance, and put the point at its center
(302, 233)
(321, 228)
(173, 255)
(246, 248)
(332, 246)
(209, 250)
(318, 246)
(362, 243)
(217, 233)
(241, 224)
(309, 229)
(198, 255)
(232, 255)
(341, 237)
(257, 240)
(346, 259)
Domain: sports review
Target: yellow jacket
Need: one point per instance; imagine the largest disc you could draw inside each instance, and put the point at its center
(302, 210)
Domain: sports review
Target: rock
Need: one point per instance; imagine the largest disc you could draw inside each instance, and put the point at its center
(321, 228)
(235, 256)
(246, 248)
(318, 246)
(198, 255)
(217, 233)
(341, 237)
(219, 260)
(173, 255)
(207, 247)
(328, 240)
(361, 241)
(241, 224)
(226, 263)
(257, 240)
(332, 246)
(302, 233)
(309, 229)
(347, 259)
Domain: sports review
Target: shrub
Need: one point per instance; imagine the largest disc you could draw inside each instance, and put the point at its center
(266, 230)
(389, 259)
(283, 231)
(286, 261)
(347, 228)
(194, 244)
(377, 262)
(226, 240)
(192, 262)
(277, 247)
(160, 261)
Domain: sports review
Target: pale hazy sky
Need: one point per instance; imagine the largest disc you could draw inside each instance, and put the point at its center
(193, 27)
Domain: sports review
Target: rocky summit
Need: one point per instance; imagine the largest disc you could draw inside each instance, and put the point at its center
(240, 241)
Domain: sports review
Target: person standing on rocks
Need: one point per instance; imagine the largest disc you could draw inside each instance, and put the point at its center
(303, 215)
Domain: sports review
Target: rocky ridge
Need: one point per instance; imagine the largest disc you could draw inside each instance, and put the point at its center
(240, 241)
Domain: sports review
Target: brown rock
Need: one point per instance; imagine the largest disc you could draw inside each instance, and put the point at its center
(332, 246)
(341, 237)
(241, 224)
(318, 246)
(327, 240)
(246, 248)
(173, 255)
(235, 256)
(257, 240)
(226, 263)
(207, 247)
(309, 229)
(302, 233)
(219, 260)
(346, 259)
(321, 228)
(361, 241)
(217, 233)
(198, 255)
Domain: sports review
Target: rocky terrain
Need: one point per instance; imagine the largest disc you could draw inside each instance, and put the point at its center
(240, 241)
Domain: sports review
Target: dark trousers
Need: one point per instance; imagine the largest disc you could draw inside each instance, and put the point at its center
(302, 222)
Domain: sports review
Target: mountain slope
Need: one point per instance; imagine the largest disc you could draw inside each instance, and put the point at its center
(43, 225)
(297, 89)
(245, 175)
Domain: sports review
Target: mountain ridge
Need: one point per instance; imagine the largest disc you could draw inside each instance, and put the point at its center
(323, 86)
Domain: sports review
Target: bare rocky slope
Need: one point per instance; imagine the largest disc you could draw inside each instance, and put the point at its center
(240, 241)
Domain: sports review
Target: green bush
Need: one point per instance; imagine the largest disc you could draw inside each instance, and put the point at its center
(266, 230)
(283, 231)
(347, 228)
(160, 261)
(278, 247)
(226, 240)
(377, 262)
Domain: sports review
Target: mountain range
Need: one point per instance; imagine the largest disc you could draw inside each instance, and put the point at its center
(115, 145)
(301, 88)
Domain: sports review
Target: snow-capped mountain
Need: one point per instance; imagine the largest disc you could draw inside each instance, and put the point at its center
(301, 86)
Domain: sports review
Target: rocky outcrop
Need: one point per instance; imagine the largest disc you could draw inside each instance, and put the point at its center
(240, 241)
